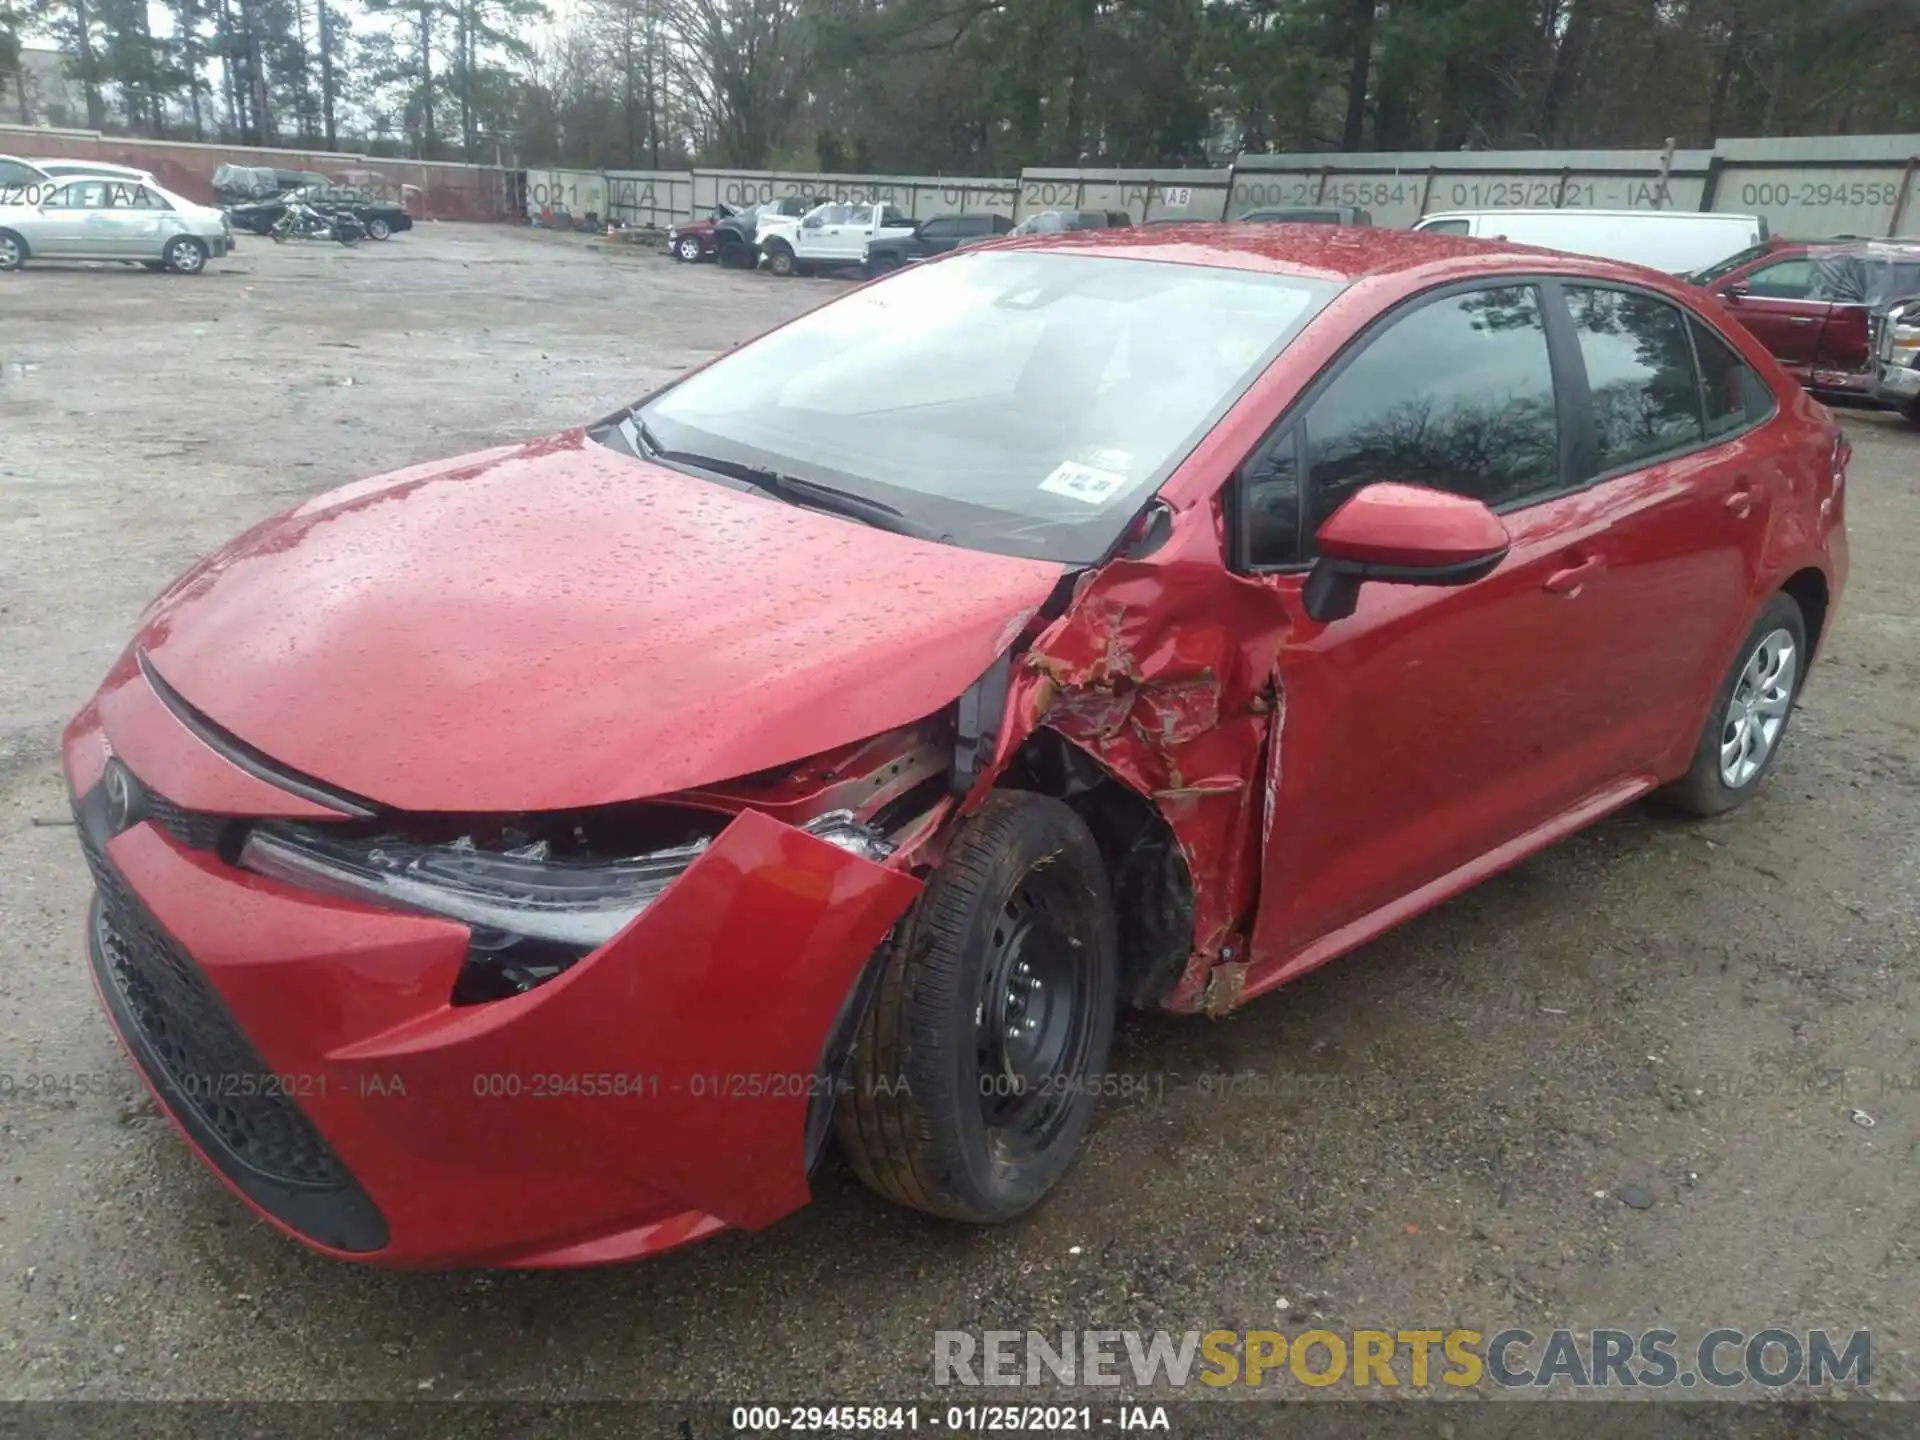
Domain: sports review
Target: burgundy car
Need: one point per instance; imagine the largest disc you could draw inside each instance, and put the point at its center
(539, 857)
(1816, 306)
(693, 240)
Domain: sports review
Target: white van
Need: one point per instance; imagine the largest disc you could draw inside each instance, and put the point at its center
(1676, 241)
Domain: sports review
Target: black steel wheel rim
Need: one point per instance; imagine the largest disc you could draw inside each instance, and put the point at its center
(1032, 1021)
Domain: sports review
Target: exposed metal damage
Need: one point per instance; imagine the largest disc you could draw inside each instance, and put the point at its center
(1162, 672)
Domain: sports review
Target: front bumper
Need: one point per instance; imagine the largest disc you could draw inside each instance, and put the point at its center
(1897, 385)
(658, 1091)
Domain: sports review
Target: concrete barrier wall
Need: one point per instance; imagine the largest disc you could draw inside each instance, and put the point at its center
(560, 196)
(441, 190)
(655, 198)
(918, 195)
(1809, 188)
(1159, 194)
(1398, 188)
(1803, 188)
(1844, 185)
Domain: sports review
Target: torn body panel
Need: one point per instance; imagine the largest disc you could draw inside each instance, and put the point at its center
(1162, 670)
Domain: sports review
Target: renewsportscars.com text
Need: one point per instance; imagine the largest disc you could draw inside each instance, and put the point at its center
(1600, 1359)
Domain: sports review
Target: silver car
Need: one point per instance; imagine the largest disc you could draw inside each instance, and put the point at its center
(109, 217)
(67, 169)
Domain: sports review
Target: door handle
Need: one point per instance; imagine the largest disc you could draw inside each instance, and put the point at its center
(1799, 319)
(1739, 500)
(1569, 580)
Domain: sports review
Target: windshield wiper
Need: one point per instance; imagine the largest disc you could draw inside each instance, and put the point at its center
(812, 494)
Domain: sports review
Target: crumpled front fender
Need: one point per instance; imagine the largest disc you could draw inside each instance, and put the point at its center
(668, 1074)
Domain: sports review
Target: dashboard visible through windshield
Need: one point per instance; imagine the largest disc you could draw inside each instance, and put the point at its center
(1023, 402)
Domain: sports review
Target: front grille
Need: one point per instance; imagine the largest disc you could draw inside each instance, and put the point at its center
(207, 1060)
(206, 1071)
(195, 829)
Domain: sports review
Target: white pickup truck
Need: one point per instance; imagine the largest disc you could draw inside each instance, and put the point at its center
(836, 233)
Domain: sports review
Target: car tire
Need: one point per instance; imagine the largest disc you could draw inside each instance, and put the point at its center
(1750, 714)
(687, 249)
(378, 229)
(976, 1069)
(13, 250)
(185, 255)
(780, 259)
(734, 256)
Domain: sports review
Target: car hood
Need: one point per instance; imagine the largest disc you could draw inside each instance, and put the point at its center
(555, 625)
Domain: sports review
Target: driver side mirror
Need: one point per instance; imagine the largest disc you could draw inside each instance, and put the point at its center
(812, 222)
(1735, 293)
(1404, 534)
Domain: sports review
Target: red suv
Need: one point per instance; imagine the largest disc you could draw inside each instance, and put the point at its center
(1813, 304)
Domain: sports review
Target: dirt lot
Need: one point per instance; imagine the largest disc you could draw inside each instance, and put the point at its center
(1432, 1132)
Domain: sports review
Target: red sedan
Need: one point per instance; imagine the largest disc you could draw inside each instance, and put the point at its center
(537, 858)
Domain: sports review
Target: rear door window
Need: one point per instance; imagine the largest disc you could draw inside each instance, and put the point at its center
(1732, 395)
(79, 195)
(1640, 373)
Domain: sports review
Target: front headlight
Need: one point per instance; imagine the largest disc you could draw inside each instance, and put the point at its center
(673, 232)
(527, 892)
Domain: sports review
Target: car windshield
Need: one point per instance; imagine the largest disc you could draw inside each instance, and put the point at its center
(1730, 264)
(1023, 402)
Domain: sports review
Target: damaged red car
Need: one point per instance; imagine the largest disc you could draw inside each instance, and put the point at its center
(539, 858)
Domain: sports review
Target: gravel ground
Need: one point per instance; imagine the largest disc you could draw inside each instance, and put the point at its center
(1433, 1132)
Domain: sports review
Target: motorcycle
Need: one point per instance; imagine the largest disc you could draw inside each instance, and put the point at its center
(303, 222)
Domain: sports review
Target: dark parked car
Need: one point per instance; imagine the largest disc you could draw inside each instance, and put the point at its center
(934, 236)
(1307, 215)
(383, 218)
(535, 858)
(243, 184)
(1059, 222)
(1054, 222)
(733, 242)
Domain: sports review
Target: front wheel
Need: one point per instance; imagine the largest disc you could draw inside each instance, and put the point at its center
(13, 251)
(185, 255)
(780, 260)
(687, 250)
(1749, 716)
(378, 229)
(978, 1067)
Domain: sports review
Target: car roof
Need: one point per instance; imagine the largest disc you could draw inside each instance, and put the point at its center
(1582, 210)
(1328, 252)
(93, 167)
